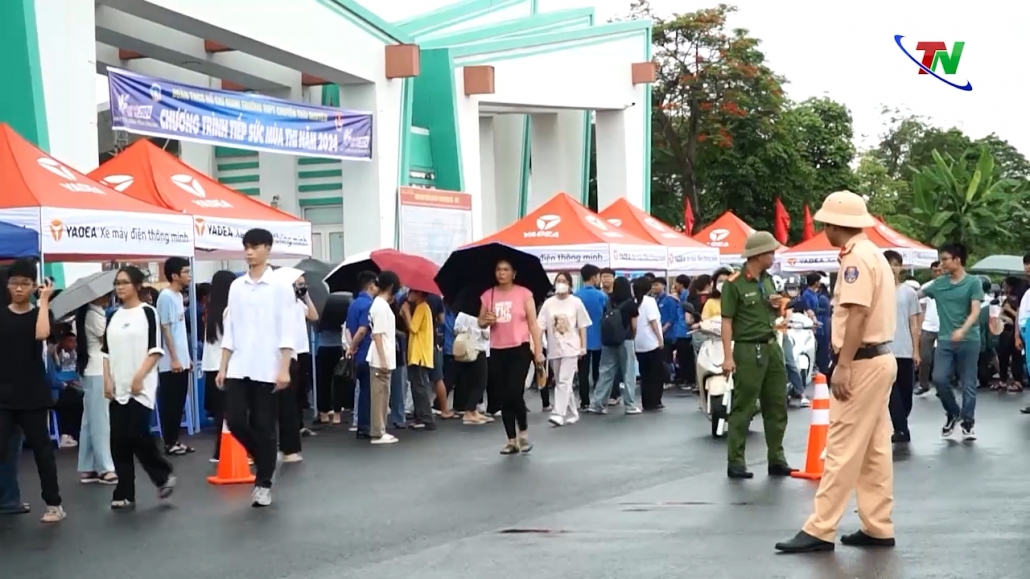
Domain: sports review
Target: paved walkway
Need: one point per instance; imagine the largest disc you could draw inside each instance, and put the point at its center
(621, 497)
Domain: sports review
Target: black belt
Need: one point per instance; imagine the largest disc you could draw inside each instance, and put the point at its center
(756, 342)
(868, 351)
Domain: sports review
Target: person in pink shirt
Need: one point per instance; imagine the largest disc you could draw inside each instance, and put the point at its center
(510, 313)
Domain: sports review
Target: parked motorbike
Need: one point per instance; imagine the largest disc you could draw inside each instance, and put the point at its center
(801, 333)
(715, 389)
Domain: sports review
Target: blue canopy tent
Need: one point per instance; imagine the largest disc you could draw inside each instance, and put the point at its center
(17, 242)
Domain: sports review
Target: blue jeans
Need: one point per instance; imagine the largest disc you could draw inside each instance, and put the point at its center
(621, 360)
(956, 359)
(797, 385)
(95, 436)
(398, 387)
(10, 494)
(364, 403)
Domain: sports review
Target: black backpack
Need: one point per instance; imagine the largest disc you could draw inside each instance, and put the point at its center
(613, 330)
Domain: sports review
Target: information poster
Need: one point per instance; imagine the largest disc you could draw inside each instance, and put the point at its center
(434, 222)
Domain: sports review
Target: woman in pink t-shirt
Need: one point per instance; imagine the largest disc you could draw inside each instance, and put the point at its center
(510, 313)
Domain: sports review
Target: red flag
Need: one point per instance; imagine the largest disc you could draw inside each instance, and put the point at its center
(809, 229)
(688, 216)
(781, 223)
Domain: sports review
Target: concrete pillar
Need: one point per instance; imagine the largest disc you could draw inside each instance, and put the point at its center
(507, 165)
(620, 156)
(277, 173)
(370, 187)
(488, 213)
(571, 141)
(545, 177)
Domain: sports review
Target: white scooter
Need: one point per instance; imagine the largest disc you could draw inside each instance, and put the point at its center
(715, 389)
(801, 333)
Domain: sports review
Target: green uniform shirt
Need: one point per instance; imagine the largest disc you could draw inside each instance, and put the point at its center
(746, 302)
(954, 301)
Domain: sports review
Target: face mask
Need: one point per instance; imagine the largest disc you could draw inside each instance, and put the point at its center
(718, 287)
(300, 291)
(561, 288)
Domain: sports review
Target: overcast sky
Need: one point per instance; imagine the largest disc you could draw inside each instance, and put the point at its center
(846, 50)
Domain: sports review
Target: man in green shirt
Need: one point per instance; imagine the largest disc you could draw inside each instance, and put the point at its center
(750, 306)
(958, 296)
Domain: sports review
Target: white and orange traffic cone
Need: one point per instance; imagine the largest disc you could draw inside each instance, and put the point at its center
(815, 456)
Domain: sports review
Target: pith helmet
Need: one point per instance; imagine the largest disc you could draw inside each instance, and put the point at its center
(844, 209)
(758, 243)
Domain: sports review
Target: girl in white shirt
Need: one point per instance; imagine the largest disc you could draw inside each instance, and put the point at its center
(214, 324)
(565, 320)
(95, 463)
(470, 377)
(131, 350)
(649, 345)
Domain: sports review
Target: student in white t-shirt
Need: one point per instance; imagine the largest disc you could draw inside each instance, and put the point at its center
(649, 345)
(564, 318)
(131, 351)
(928, 336)
(382, 355)
(214, 326)
(292, 399)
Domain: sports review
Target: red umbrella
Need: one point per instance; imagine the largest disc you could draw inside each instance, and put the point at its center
(415, 272)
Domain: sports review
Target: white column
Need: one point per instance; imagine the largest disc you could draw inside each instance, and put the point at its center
(277, 173)
(370, 187)
(507, 165)
(571, 133)
(487, 216)
(545, 173)
(67, 53)
(620, 156)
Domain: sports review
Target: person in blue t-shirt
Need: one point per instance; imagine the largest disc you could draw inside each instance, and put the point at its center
(595, 301)
(669, 309)
(357, 349)
(811, 301)
(683, 346)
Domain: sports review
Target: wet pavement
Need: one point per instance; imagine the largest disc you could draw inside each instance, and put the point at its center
(618, 496)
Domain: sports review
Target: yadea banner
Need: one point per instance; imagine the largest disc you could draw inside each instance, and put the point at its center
(162, 108)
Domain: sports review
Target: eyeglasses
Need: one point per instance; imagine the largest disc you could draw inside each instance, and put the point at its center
(20, 284)
(121, 282)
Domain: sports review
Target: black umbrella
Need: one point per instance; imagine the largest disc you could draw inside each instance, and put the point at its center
(469, 272)
(314, 272)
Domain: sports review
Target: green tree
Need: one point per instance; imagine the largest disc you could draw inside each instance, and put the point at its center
(970, 202)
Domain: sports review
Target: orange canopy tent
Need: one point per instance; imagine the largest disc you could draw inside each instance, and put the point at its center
(685, 254)
(78, 218)
(565, 234)
(818, 254)
(220, 215)
(727, 234)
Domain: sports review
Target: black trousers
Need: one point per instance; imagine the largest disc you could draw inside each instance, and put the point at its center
(131, 438)
(252, 408)
(214, 404)
(652, 378)
(1010, 359)
(329, 397)
(985, 368)
(507, 370)
(289, 413)
(686, 371)
(172, 388)
(588, 371)
(901, 395)
(33, 424)
(302, 376)
(69, 409)
(469, 382)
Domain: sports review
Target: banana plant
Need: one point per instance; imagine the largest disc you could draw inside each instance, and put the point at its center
(960, 201)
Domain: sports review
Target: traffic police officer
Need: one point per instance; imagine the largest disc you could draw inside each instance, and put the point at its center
(750, 306)
(858, 444)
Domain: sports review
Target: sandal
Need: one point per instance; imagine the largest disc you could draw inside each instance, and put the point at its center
(89, 478)
(108, 478)
(122, 505)
(1015, 387)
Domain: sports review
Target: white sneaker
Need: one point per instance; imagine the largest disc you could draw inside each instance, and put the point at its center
(556, 420)
(293, 457)
(571, 420)
(385, 439)
(68, 442)
(353, 429)
(632, 410)
(261, 497)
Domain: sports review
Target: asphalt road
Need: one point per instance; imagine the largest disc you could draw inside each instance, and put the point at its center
(618, 496)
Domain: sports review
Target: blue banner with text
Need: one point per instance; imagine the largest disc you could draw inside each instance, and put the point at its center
(162, 108)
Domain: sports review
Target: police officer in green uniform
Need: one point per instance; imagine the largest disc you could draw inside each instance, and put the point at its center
(750, 306)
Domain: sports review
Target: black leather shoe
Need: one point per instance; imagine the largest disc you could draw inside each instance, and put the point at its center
(804, 543)
(781, 470)
(861, 539)
(901, 438)
(739, 472)
(362, 435)
(1025, 410)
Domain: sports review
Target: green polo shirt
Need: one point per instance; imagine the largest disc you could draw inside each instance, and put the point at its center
(746, 302)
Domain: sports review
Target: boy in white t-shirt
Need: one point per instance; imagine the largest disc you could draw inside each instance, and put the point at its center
(382, 355)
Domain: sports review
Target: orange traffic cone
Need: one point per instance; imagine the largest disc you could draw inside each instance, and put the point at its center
(233, 465)
(816, 454)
